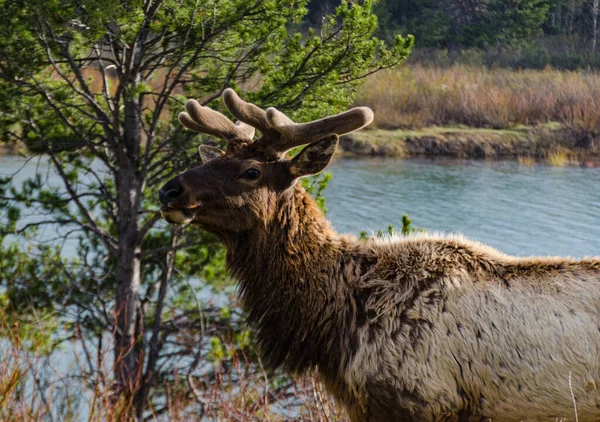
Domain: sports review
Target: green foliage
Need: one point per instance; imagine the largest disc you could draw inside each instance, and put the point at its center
(459, 24)
(340, 57)
(96, 87)
(217, 351)
(315, 187)
(407, 226)
(405, 230)
(39, 42)
(504, 22)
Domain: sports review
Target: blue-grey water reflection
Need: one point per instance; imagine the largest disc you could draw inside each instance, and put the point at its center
(537, 210)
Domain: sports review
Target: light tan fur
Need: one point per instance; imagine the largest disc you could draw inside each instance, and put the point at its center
(494, 334)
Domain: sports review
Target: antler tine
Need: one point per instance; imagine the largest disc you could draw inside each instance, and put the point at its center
(247, 112)
(295, 134)
(205, 120)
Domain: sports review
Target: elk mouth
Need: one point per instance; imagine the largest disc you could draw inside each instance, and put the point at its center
(178, 215)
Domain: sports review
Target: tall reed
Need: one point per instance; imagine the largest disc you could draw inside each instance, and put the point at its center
(416, 96)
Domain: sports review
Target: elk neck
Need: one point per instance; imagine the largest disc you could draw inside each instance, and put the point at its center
(296, 275)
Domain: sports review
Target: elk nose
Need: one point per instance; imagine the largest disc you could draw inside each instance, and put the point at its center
(169, 192)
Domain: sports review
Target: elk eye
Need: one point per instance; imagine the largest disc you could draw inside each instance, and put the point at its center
(251, 174)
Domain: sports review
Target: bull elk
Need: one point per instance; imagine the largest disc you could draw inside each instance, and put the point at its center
(422, 328)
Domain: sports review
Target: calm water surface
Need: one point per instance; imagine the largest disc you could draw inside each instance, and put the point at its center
(537, 210)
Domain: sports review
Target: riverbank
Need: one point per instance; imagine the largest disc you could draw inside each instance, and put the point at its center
(549, 142)
(476, 112)
(8, 149)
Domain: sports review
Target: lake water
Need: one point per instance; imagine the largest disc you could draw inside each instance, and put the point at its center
(521, 210)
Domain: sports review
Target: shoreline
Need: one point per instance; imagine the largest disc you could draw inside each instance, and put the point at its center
(9, 149)
(546, 143)
(552, 142)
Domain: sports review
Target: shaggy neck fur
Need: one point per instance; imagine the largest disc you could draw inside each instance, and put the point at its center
(295, 275)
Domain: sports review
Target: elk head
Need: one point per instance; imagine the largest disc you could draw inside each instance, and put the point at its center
(234, 190)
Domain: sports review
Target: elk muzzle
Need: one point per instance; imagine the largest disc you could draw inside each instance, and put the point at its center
(170, 192)
(178, 205)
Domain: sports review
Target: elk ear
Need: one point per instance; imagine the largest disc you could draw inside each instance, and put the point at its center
(313, 158)
(208, 153)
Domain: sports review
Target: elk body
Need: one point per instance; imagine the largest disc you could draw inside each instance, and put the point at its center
(423, 328)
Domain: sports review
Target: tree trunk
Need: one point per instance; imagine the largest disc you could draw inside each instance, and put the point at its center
(594, 24)
(571, 15)
(127, 286)
(128, 359)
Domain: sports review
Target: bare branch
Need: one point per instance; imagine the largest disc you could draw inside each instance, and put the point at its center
(108, 240)
(149, 224)
(170, 248)
(85, 91)
(155, 344)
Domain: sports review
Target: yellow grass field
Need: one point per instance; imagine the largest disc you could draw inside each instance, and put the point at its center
(417, 96)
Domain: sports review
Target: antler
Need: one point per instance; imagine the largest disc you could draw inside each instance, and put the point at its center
(279, 132)
(295, 134)
(205, 120)
(247, 112)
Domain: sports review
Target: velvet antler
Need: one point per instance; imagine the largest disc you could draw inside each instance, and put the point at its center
(279, 132)
(205, 120)
(295, 134)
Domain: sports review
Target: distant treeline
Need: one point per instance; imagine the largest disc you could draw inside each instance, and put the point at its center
(513, 33)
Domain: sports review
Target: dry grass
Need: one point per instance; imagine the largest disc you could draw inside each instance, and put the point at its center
(558, 158)
(22, 373)
(417, 96)
(526, 161)
(237, 389)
